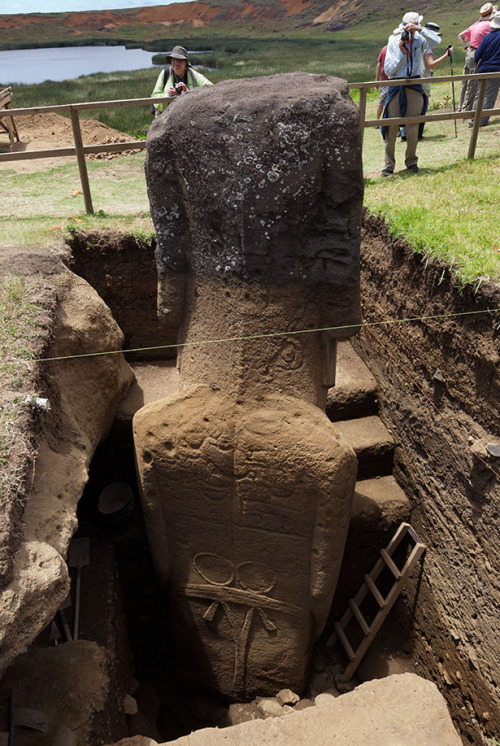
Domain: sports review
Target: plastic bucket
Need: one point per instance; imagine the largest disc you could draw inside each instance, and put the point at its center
(116, 502)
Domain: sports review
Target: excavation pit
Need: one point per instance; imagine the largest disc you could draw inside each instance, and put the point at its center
(444, 625)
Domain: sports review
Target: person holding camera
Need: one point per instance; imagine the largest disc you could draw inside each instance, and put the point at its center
(407, 50)
(429, 64)
(176, 79)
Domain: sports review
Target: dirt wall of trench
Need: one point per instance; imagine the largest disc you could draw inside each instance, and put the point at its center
(443, 428)
(450, 611)
(122, 269)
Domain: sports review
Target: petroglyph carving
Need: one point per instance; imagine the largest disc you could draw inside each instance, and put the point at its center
(246, 484)
(255, 580)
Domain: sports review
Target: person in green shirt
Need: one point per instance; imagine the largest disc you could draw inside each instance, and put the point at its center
(177, 79)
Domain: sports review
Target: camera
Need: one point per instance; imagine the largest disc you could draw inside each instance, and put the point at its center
(405, 36)
(178, 89)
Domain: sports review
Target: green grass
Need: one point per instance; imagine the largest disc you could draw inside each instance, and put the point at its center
(43, 209)
(447, 211)
(16, 307)
(441, 214)
(19, 326)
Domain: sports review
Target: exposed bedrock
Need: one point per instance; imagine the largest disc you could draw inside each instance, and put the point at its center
(395, 711)
(255, 190)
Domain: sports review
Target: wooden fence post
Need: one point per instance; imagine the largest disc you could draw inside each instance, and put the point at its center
(82, 165)
(477, 118)
(5, 103)
(362, 110)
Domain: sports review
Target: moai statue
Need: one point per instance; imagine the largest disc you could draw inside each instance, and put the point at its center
(255, 189)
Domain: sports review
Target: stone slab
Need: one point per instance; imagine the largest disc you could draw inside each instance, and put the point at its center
(355, 390)
(402, 710)
(366, 435)
(372, 443)
(153, 381)
(380, 501)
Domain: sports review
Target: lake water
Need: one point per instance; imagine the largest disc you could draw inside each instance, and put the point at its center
(60, 63)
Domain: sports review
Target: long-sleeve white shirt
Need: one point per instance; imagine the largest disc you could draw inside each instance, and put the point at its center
(411, 63)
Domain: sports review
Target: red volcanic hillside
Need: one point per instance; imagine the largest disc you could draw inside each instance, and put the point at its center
(225, 17)
(147, 24)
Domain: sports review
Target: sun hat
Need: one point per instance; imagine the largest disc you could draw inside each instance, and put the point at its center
(178, 53)
(433, 27)
(407, 18)
(487, 10)
(412, 18)
(495, 22)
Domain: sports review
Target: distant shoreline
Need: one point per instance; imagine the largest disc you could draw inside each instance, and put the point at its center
(12, 46)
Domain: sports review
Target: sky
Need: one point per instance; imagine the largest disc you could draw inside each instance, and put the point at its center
(62, 6)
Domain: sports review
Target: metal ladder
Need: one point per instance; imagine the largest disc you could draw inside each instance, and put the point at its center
(369, 586)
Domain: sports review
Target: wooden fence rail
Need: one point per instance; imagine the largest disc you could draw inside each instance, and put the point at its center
(476, 115)
(81, 150)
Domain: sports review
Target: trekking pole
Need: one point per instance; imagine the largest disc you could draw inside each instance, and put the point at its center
(452, 86)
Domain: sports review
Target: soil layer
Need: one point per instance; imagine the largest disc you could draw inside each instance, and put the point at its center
(439, 383)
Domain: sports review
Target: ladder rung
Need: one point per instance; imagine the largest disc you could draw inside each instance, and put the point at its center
(345, 642)
(375, 591)
(359, 616)
(390, 563)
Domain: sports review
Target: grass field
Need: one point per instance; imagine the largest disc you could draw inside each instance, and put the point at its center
(448, 211)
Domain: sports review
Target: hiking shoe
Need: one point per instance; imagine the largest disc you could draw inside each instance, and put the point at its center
(403, 138)
(387, 172)
(413, 168)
